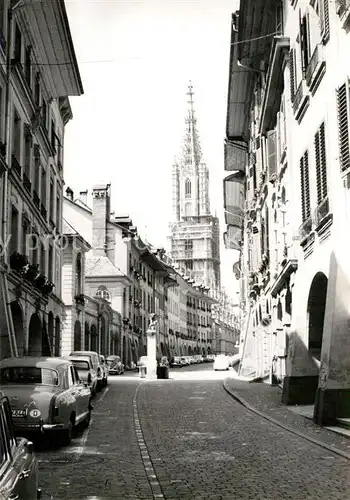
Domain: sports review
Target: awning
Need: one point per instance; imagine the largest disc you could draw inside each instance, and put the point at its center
(236, 155)
(234, 198)
(233, 238)
(274, 83)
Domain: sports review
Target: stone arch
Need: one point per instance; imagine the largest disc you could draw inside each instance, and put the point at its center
(77, 336)
(93, 338)
(316, 306)
(87, 337)
(57, 348)
(35, 336)
(17, 318)
(51, 330)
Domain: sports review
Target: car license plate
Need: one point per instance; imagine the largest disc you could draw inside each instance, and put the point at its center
(19, 413)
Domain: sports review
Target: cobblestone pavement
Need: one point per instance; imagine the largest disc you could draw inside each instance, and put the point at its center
(186, 439)
(267, 399)
(105, 461)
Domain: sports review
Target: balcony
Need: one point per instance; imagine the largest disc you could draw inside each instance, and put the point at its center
(305, 229)
(343, 11)
(16, 167)
(301, 101)
(316, 68)
(322, 216)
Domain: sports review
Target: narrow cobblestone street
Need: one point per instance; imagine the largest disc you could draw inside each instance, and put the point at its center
(186, 438)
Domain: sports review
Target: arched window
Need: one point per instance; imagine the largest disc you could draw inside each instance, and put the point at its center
(187, 188)
(103, 293)
(78, 276)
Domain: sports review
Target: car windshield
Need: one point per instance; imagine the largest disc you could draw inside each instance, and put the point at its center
(113, 361)
(28, 375)
(81, 365)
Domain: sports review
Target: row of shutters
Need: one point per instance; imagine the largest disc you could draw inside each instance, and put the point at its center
(304, 37)
(321, 173)
(343, 103)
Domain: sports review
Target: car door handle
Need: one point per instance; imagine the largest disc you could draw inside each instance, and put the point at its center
(13, 497)
(24, 474)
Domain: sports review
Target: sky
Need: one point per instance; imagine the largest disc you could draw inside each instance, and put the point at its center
(136, 59)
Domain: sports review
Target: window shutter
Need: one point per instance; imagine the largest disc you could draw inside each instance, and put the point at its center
(343, 126)
(323, 161)
(324, 14)
(271, 153)
(292, 73)
(305, 186)
(266, 242)
(321, 166)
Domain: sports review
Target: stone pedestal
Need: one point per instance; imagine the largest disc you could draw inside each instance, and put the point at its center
(151, 356)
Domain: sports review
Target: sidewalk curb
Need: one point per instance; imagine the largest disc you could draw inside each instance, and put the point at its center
(243, 402)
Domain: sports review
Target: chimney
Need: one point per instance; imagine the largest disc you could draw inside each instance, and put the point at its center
(101, 209)
(83, 196)
(70, 193)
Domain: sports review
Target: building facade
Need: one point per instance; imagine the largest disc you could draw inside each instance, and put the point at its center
(288, 146)
(38, 71)
(195, 233)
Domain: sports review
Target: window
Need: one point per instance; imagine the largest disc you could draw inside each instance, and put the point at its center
(42, 258)
(28, 66)
(25, 235)
(16, 136)
(37, 169)
(103, 293)
(44, 114)
(51, 263)
(52, 201)
(187, 188)
(53, 136)
(321, 164)
(14, 230)
(343, 126)
(27, 150)
(37, 89)
(305, 187)
(43, 187)
(18, 45)
(28, 375)
(58, 212)
(305, 42)
(78, 275)
(271, 153)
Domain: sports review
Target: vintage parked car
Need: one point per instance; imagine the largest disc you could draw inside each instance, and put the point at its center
(96, 363)
(115, 364)
(18, 464)
(86, 371)
(46, 395)
(105, 370)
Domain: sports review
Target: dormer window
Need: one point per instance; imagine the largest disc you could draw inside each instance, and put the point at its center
(103, 293)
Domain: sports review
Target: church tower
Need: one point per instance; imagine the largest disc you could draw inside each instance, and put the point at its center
(195, 232)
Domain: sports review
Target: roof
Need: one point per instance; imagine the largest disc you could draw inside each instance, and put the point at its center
(40, 362)
(75, 357)
(69, 230)
(101, 266)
